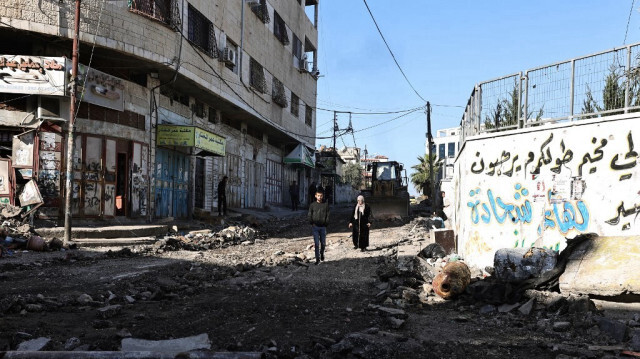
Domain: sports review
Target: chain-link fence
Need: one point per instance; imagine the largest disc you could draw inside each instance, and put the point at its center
(606, 83)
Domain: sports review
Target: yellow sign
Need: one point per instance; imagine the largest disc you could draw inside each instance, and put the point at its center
(190, 136)
(210, 142)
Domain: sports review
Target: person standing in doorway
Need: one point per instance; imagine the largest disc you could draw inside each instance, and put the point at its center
(222, 196)
(319, 218)
(360, 222)
(294, 193)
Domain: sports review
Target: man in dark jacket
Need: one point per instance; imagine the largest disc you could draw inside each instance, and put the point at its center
(222, 196)
(319, 218)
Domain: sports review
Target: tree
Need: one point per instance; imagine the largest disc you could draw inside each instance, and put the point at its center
(421, 178)
(505, 113)
(613, 93)
(352, 175)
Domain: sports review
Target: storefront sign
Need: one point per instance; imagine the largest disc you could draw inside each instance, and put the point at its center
(101, 89)
(23, 149)
(33, 75)
(190, 136)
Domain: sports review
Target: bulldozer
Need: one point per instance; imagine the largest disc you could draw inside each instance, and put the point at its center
(387, 194)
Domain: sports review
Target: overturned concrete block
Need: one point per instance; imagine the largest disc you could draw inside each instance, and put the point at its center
(167, 346)
(518, 264)
(606, 266)
(453, 280)
(33, 344)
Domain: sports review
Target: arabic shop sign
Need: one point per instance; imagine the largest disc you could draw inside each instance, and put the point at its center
(33, 75)
(100, 88)
(190, 136)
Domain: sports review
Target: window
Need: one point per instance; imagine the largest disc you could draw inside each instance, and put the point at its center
(296, 48)
(198, 109)
(278, 94)
(280, 29)
(165, 11)
(452, 149)
(261, 11)
(295, 105)
(441, 150)
(257, 80)
(201, 32)
(308, 115)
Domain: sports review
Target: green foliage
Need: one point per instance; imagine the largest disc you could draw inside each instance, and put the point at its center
(613, 93)
(505, 114)
(420, 178)
(353, 175)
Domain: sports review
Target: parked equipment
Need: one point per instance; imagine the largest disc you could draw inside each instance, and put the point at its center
(388, 195)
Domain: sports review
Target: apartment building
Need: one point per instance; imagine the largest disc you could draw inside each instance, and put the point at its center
(175, 94)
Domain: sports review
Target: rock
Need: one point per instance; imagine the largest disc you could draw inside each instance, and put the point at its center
(551, 300)
(246, 243)
(580, 304)
(634, 343)
(129, 299)
(518, 264)
(33, 308)
(33, 344)
(109, 311)
(612, 328)
(101, 324)
(389, 311)
(527, 307)
(506, 308)
(123, 333)
(410, 295)
(84, 299)
(167, 346)
(487, 309)
(561, 326)
(395, 322)
(426, 270)
(71, 343)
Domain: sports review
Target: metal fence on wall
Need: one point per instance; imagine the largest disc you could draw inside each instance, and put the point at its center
(604, 83)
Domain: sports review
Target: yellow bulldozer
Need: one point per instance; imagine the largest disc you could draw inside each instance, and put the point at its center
(387, 192)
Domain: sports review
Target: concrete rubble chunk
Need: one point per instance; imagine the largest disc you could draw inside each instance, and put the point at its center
(84, 299)
(518, 264)
(612, 328)
(487, 309)
(561, 326)
(395, 322)
(527, 307)
(109, 311)
(389, 311)
(71, 343)
(634, 343)
(506, 308)
(34, 344)
(186, 344)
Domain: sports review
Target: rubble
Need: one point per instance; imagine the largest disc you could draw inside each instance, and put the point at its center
(452, 281)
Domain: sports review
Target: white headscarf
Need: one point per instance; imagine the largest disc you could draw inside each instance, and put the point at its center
(359, 207)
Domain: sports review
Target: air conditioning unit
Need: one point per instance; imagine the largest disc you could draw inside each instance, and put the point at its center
(229, 55)
(50, 108)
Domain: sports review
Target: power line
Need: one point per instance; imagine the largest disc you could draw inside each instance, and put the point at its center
(382, 123)
(391, 52)
(370, 113)
(628, 21)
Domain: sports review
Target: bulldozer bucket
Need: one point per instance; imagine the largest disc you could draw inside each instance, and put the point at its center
(389, 207)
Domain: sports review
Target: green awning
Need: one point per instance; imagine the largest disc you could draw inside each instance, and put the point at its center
(301, 155)
(191, 136)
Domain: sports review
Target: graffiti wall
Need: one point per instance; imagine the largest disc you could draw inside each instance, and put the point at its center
(540, 186)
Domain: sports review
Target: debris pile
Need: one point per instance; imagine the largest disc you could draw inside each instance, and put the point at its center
(208, 239)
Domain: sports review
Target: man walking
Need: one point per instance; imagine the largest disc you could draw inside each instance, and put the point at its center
(222, 196)
(319, 218)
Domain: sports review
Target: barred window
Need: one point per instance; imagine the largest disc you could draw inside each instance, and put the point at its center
(165, 11)
(257, 79)
(297, 49)
(278, 94)
(261, 11)
(295, 105)
(280, 29)
(308, 115)
(201, 32)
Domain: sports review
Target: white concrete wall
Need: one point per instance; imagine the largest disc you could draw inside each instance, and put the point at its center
(588, 181)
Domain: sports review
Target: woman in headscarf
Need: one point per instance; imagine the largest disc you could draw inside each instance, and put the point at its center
(360, 222)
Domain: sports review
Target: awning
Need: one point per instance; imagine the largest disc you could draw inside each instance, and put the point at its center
(191, 136)
(301, 155)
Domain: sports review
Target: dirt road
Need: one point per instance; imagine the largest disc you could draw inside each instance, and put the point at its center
(268, 296)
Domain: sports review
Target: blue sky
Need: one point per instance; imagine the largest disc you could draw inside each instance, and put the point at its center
(444, 48)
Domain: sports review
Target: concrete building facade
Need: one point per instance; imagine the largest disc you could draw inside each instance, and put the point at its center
(177, 94)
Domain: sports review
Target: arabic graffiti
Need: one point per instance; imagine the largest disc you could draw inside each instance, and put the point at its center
(565, 216)
(495, 207)
(621, 211)
(507, 163)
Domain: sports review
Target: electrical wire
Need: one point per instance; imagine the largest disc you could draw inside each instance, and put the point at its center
(370, 113)
(628, 21)
(382, 123)
(391, 52)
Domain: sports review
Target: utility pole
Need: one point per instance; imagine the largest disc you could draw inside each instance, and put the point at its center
(335, 158)
(430, 145)
(71, 128)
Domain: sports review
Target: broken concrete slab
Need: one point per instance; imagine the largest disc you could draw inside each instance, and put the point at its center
(612, 328)
(518, 264)
(179, 345)
(33, 344)
(605, 266)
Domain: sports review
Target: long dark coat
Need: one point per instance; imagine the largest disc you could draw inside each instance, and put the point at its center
(360, 228)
